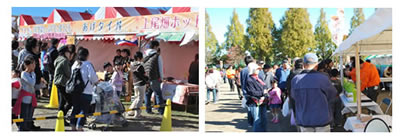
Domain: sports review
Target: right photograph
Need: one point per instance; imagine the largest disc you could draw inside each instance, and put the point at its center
(298, 70)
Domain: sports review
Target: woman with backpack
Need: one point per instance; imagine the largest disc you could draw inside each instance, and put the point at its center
(62, 74)
(81, 101)
(139, 82)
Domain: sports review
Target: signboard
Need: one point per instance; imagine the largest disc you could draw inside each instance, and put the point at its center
(178, 22)
(337, 27)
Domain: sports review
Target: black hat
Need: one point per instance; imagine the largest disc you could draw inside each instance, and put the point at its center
(106, 64)
(62, 49)
(266, 66)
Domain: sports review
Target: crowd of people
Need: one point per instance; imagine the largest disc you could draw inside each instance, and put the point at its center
(36, 67)
(310, 87)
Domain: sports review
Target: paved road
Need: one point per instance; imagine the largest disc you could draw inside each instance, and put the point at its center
(228, 115)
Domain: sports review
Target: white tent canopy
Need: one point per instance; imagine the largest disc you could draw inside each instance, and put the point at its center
(374, 36)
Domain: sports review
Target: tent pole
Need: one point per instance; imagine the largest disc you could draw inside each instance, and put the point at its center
(358, 81)
(341, 71)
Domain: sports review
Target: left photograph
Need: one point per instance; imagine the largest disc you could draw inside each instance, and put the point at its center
(105, 69)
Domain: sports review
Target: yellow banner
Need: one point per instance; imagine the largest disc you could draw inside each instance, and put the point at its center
(179, 22)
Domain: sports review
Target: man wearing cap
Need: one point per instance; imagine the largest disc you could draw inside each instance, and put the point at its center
(62, 73)
(269, 76)
(282, 74)
(261, 75)
(312, 91)
(244, 74)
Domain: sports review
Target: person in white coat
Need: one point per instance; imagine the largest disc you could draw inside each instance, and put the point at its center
(211, 86)
(81, 101)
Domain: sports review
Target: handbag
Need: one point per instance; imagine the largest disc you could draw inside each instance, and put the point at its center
(285, 108)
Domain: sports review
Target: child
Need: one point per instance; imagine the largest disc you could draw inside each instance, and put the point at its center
(117, 79)
(16, 88)
(27, 98)
(108, 71)
(275, 101)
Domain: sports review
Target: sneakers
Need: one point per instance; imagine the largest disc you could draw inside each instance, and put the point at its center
(273, 119)
(131, 113)
(276, 121)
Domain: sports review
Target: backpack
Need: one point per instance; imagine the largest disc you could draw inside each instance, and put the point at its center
(47, 57)
(75, 85)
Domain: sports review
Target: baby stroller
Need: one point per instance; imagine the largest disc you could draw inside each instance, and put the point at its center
(107, 100)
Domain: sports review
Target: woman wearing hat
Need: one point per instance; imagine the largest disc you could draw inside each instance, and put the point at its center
(62, 73)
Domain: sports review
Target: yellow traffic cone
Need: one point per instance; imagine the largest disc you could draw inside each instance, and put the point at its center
(53, 103)
(166, 123)
(60, 122)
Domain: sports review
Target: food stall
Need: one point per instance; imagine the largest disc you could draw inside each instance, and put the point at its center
(373, 37)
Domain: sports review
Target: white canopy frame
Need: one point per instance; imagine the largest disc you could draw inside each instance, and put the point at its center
(374, 36)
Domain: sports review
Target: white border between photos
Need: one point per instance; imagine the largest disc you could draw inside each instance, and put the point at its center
(5, 12)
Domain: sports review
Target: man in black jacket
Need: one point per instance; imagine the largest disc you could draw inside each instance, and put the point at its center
(52, 55)
(194, 71)
(153, 68)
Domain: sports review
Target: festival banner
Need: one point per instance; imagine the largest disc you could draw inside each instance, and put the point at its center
(178, 22)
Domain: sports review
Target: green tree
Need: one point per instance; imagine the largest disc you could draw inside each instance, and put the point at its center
(260, 40)
(297, 36)
(235, 34)
(276, 55)
(323, 38)
(211, 42)
(357, 19)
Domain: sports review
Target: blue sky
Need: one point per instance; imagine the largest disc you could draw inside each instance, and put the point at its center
(46, 11)
(220, 17)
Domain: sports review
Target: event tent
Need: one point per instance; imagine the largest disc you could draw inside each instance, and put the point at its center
(58, 16)
(181, 10)
(30, 20)
(118, 12)
(177, 32)
(372, 37)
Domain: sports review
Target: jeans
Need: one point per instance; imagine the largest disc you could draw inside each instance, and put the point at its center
(259, 115)
(138, 102)
(81, 103)
(154, 86)
(214, 91)
(26, 114)
(65, 99)
(316, 129)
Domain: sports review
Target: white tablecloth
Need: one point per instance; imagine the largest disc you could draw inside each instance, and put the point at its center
(352, 106)
(178, 93)
(355, 125)
(386, 79)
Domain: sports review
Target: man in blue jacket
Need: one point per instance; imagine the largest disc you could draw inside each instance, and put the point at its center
(282, 74)
(312, 92)
(243, 78)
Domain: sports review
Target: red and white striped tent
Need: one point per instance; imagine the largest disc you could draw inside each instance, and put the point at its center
(118, 12)
(181, 10)
(30, 20)
(58, 16)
